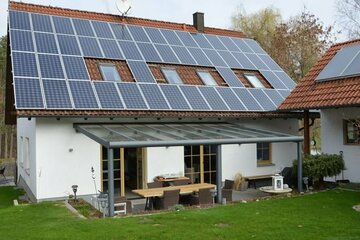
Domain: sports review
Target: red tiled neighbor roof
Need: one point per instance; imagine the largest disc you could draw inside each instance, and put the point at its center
(310, 94)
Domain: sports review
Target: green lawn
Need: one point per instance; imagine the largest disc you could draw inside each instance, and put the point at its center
(325, 215)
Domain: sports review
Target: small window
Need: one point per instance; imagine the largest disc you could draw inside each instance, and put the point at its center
(263, 152)
(255, 82)
(171, 75)
(26, 153)
(206, 78)
(352, 131)
(109, 72)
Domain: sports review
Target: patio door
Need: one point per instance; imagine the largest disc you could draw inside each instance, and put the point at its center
(129, 169)
(200, 163)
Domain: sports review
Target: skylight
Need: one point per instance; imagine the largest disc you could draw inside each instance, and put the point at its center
(255, 82)
(171, 75)
(206, 78)
(109, 72)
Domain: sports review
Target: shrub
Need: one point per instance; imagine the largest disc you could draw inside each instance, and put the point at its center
(320, 166)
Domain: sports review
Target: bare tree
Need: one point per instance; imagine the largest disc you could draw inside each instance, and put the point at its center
(349, 17)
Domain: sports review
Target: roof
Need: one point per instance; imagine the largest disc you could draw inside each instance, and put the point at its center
(56, 53)
(312, 94)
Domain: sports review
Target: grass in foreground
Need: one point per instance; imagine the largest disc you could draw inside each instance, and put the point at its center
(325, 215)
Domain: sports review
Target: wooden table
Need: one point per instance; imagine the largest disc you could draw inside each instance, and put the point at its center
(159, 192)
(171, 179)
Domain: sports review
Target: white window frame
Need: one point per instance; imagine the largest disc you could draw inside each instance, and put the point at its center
(169, 79)
(254, 80)
(208, 80)
(103, 75)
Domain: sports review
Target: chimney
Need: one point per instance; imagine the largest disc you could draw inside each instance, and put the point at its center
(198, 19)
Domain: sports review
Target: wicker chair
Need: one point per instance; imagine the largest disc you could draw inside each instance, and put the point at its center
(2, 172)
(227, 190)
(170, 198)
(154, 184)
(203, 198)
(181, 182)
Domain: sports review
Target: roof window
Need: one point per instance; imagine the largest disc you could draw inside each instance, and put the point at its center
(255, 82)
(171, 75)
(109, 72)
(206, 78)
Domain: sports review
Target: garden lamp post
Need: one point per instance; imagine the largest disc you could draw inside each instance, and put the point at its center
(74, 188)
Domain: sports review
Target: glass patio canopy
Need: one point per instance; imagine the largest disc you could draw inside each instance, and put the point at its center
(178, 134)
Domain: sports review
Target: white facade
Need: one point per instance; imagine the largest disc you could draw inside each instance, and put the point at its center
(333, 140)
(60, 157)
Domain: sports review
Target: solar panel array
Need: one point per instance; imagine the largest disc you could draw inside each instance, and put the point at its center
(346, 63)
(50, 72)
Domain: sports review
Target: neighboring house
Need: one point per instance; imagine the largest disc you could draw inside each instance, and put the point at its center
(333, 86)
(156, 97)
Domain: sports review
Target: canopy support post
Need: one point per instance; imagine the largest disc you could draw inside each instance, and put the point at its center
(299, 168)
(218, 174)
(111, 181)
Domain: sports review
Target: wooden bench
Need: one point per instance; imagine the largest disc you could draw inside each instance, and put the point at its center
(252, 179)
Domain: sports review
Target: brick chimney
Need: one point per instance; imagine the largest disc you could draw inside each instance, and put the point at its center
(198, 21)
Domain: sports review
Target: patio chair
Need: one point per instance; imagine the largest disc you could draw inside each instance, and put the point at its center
(227, 190)
(170, 198)
(154, 184)
(128, 204)
(202, 198)
(2, 171)
(181, 182)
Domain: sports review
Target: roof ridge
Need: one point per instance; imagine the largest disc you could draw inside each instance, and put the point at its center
(346, 42)
(21, 6)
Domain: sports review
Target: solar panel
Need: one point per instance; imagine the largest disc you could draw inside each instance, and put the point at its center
(120, 31)
(108, 95)
(141, 71)
(28, 93)
(215, 42)
(215, 58)
(231, 99)
(50, 66)
(102, 29)
(21, 41)
(229, 59)
(183, 55)
(130, 50)
(263, 99)
(353, 68)
(83, 27)
(201, 40)
(257, 61)
(200, 57)
(174, 97)
(289, 83)
(229, 76)
(19, 20)
(132, 96)
(186, 38)
(149, 52)
(83, 95)
(166, 53)
(171, 37)
(270, 62)
(138, 33)
(68, 45)
(273, 80)
(254, 46)
(24, 64)
(75, 68)
(155, 35)
(229, 44)
(63, 25)
(284, 93)
(275, 96)
(110, 49)
(213, 98)
(338, 63)
(194, 98)
(244, 61)
(242, 45)
(45, 43)
(56, 94)
(90, 47)
(153, 96)
(247, 99)
(41, 23)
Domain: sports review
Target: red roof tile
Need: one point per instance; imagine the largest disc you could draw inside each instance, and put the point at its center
(310, 94)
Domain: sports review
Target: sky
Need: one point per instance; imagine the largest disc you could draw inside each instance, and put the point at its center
(217, 12)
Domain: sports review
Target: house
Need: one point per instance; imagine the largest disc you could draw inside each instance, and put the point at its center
(333, 86)
(109, 102)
